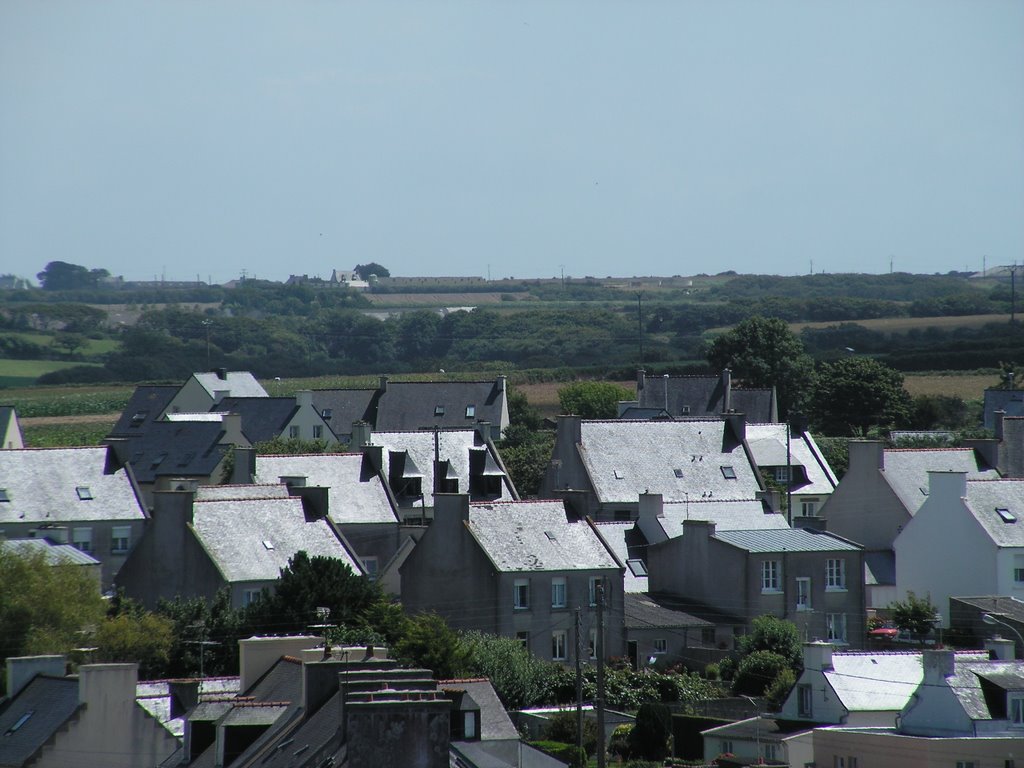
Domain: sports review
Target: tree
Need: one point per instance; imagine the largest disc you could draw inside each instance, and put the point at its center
(62, 276)
(854, 394)
(915, 615)
(205, 635)
(592, 399)
(141, 636)
(649, 738)
(431, 644)
(757, 672)
(69, 341)
(519, 678)
(44, 608)
(779, 636)
(763, 353)
(373, 268)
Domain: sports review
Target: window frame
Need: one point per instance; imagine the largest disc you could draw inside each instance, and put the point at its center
(521, 595)
(834, 622)
(660, 646)
(804, 700)
(592, 583)
(771, 577)
(835, 574)
(559, 645)
(803, 593)
(559, 592)
(115, 539)
(76, 540)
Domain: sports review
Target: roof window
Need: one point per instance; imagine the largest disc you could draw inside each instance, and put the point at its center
(439, 410)
(158, 460)
(268, 544)
(678, 473)
(326, 413)
(1006, 515)
(618, 474)
(19, 722)
(138, 417)
(470, 411)
(84, 493)
(4, 496)
(637, 566)
(728, 472)
(551, 535)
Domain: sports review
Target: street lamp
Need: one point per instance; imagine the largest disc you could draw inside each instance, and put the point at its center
(991, 620)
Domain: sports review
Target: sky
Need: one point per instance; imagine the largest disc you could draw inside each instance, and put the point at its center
(183, 139)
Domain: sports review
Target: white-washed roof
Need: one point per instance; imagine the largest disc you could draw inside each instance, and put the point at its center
(253, 491)
(536, 536)
(238, 384)
(253, 539)
(768, 445)
(878, 681)
(355, 496)
(906, 470)
(999, 506)
(787, 540)
(42, 485)
(738, 515)
(673, 458)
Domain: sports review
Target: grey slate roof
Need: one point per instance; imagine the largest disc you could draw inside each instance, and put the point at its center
(906, 470)
(653, 612)
(263, 418)
(494, 720)
(345, 406)
(52, 702)
(1011, 401)
(965, 682)
(146, 405)
(627, 458)
(237, 383)
(768, 444)
(536, 536)
(733, 515)
(174, 449)
(407, 405)
(356, 494)
(228, 492)
(54, 554)
(41, 485)
(702, 397)
(236, 534)
(630, 546)
(880, 568)
(154, 696)
(786, 540)
(985, 497)
(1005, 607)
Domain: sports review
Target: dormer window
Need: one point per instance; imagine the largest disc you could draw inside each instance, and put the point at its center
(4, 496)
(84, 493)
(1015, 708)
(470, 411)
(439, 410)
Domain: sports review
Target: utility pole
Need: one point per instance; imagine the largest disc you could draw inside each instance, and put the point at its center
(1013, 294)
(579, 682)
(600, 675)
(640, 322)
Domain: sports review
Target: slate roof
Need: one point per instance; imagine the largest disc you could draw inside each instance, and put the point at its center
(238, 383)
(1010, 401)
(630, 547)
(54, 554)
(236, 534)
(966, 682)
(41, 486)
(346, 406)
(786, 540)
(495, 723)
(906, 470)
(984, 498)
(736, 515)
(356, 494)
(702, 397)
(407, 405)
(50, 702)
(173, 449)
(768, 445)
(146, 405)
(1005, 607)
(253, 491)
(154, 696)
(627, 458)
(536, 536)
(653, 612)
(263, 418)
(454, 447)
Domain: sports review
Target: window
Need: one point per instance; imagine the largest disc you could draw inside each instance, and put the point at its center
(835, 574)
(729, 473)
(1018, 569)
(594, 582)
(81, 538)
(726, 747)
(524, 638)
(4, 496)
(660, 645)
(836, 627)
(1006, 515)
(851, 762)
(809, 507)
(251, 596)
(803, 593)
(439, 410)
(293, 431)
(370, 565)
(120, 539)
(771, 576)
(469, 726)
(84, 493)
(558, 645)
(684, 410)
(1016, 710)
(19, 722)
(521, 594)
(804, 699)
(637, 566)
(966, 764)
(558, 592)
(470, 411)
(782, 474)
(838, 762)
(770, 752)
(326, 413)
(592, 643)
(318, 431)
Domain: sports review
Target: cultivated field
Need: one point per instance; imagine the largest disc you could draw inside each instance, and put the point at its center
(904, 324)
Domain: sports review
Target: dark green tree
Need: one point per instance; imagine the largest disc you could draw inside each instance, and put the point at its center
(757, 671)
(649, 738)
(763, 353)
(915, 615)
(519, 678)
(431, 644)
(205, 635)
(779, 636)
(853, 395)
(593, 399)
(373, 268)
(62, 276)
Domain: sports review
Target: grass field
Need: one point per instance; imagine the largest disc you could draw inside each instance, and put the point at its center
(904, 324)
(23, 373)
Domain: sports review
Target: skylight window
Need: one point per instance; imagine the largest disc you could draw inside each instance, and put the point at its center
(268, 544)
(470, 411)
(4, 496)
(924, 491)
(637, 567)
(728, 472)
(326, 413)
(618, 474)
(138, 417)
(1006, 515)
(20, 722)
(678, 473)
(84, 493)
(551, 535)
(439, 410)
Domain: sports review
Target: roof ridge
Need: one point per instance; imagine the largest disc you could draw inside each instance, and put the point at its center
(927, 450)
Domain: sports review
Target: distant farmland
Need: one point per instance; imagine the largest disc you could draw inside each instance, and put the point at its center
(905, 324)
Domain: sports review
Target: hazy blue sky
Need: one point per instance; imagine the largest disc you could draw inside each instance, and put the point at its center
(194, 138)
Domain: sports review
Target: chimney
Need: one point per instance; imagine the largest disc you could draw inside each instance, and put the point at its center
(938, 665)
(651, 508)
(500, 383)
(986, 448)
(360, 435)
(866, 454)
(315, 499)
(698, 529)
(108, 690)
(641, 377)
(304, 398)
(373, 459)
(947, 485)
(232, 426)
(736, 428)
(1000, 648)
(818, 656)
(245, 466)
(997, 426)
(382, 384)
(21, 670)
(726, 390)
(451, 509)
(1011, 447)
(256, 655)
(222, 374)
